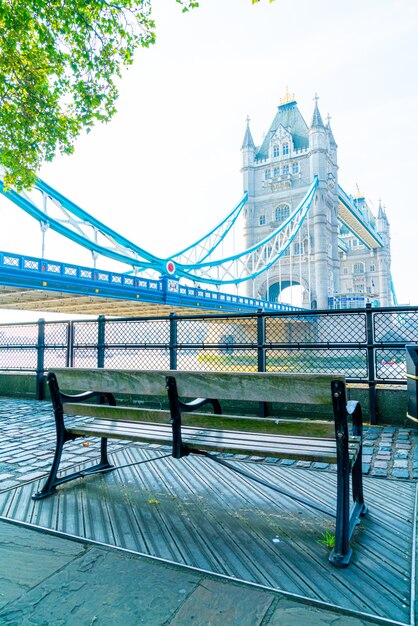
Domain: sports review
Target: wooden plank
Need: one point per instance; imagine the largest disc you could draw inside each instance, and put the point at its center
(304, 427)
(246, 386)
(136, 428)
(222, 441)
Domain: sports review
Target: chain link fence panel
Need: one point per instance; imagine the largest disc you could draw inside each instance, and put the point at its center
(318, 328)
(19, 335)
(218, 360)
(86, 333)
(56, 334)
(137, 358)
(396, 327)
(351, 362)
(18, 358)
(136, 332)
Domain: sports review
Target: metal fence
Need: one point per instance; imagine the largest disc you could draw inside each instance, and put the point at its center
(367, 345)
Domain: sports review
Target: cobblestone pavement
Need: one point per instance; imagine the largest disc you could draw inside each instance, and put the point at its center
(27, 444)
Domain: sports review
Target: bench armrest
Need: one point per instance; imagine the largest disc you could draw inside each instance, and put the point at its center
(188, 407)
(354, 411)
(57, 397)
(86, 395)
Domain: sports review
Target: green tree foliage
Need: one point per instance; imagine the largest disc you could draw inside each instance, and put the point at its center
(59, 60)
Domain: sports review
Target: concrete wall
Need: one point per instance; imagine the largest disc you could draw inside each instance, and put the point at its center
(18, 385)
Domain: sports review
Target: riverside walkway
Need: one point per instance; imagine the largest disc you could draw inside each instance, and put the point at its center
(55, 570)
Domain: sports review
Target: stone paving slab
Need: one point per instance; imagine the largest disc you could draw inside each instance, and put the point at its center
(48, 580)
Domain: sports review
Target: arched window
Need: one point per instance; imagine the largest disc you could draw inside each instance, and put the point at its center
(358, 268)
(282, 212)
(285, 149)
(262, 220)
(276, 151)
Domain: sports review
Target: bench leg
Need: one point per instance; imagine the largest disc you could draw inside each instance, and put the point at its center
(52, 481)
(346, 521)
(104, 461)
(63, 436)
(50, 484)
(341, 554)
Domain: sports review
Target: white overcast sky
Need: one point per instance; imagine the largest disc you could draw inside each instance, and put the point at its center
(167, 168)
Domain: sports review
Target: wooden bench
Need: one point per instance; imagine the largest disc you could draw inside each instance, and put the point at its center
(188, 430)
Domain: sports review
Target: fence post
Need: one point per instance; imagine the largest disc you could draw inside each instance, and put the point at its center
(261, 355)
(40, 361)
(371, 365)
(69, 361)
(101, 341)
(173, 341)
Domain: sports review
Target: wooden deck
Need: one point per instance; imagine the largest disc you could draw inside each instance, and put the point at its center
(196, 513)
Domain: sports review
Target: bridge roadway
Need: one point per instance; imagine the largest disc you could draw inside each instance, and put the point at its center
(30, 283)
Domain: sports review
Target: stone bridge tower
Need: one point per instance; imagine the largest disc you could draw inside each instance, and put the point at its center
(277, 175)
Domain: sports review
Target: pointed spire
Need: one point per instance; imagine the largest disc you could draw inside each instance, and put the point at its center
(248, 139)
(330, 133)
(317, 119)
(381, 213)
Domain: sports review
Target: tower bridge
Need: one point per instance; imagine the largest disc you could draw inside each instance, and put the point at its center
(300, 228)
(341, 252)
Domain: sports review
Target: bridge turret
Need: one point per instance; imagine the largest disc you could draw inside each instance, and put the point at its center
(382, 222)
(248, 162)
(332, 145)
(248, 158)
(324, 214)
(383, 258)
(318, 144)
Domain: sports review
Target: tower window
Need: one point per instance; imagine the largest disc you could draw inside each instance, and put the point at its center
(345, 270)
(276, 151)
(276, 171)
(295, 168)
(267, 174)
(285, 149)
(262, 220)
(281, 212)
(372, 268)
(358, 268)
(298, 249)
(285, 169)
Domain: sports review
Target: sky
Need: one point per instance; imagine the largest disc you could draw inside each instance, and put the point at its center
(166, 169)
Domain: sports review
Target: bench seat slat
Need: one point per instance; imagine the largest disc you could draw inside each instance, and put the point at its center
(305, 427)
(109, 426)
(222, 441)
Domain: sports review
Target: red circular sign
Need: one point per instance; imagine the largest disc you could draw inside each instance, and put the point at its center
(170, 267)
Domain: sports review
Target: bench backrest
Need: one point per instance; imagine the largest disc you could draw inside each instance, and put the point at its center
(254, 386)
